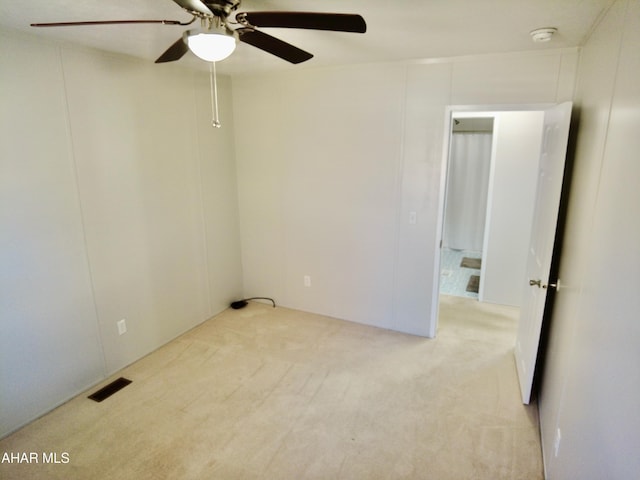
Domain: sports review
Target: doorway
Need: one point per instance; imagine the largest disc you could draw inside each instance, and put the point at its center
(465, 208)
(525, 184)
(489, 202)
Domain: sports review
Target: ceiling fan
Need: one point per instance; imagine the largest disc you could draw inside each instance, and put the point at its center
(216, 38)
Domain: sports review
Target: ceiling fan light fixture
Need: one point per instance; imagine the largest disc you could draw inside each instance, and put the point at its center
(211, 46)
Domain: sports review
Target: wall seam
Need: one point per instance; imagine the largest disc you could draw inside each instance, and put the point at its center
(399, 181)
(203, 218)
(72, 151)
(560, 63)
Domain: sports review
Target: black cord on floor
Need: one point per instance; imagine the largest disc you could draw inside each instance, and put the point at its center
(243, 303)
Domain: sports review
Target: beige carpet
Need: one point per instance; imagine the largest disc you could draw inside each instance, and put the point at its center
(279, 394)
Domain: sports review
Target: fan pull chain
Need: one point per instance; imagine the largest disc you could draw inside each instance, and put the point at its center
(215, 121)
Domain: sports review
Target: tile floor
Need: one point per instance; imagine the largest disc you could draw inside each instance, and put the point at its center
(453, 277)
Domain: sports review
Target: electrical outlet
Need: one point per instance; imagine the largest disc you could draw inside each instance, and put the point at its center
(556, 444)
(122, 326)
(307, 281)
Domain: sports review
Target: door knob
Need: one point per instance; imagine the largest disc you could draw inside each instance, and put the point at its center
(540, 285)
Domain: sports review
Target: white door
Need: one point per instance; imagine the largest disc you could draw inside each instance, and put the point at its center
(536, 284)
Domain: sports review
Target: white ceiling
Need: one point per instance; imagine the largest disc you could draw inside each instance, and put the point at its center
(396, 30)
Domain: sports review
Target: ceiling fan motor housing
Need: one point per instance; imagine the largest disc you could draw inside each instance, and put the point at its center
(222, 8)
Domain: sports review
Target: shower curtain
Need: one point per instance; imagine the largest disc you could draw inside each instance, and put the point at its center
(467, 191)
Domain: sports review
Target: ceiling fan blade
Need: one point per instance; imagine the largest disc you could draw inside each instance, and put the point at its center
(194, 6)
(273, 45)
(106, 22)
(174, 52)
(337, 22)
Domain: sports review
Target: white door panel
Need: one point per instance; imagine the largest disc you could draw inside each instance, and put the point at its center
(536, 284)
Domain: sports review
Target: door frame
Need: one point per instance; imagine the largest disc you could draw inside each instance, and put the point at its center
(444, 168)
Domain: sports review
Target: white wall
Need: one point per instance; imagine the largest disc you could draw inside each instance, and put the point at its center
(49, 345)
(318, 179)
(591, 383)
(118, 200)
(332, 161)
(514, 174)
